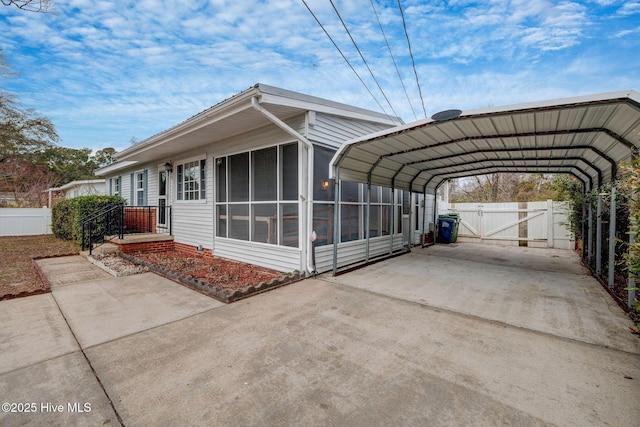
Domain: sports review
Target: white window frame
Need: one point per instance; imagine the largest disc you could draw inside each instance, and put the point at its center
(115, 183)
(138, 178)
(201, 191)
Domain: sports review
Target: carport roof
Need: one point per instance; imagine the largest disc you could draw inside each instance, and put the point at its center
(584, 136)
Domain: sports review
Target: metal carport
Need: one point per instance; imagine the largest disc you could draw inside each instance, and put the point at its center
(585, 136)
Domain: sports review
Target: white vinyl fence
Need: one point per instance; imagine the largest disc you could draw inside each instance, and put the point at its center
(25, 221)
(539, 224)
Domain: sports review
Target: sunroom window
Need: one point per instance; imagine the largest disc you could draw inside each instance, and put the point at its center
(257, 195)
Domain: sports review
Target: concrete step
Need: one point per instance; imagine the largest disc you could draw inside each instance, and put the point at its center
(104, 249)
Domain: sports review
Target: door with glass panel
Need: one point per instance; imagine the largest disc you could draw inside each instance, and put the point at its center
(162, 217)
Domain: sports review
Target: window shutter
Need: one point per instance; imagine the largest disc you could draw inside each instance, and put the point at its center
(132, 187)
(111, 186)
(203, 175)
(179, 182)
(145, 186)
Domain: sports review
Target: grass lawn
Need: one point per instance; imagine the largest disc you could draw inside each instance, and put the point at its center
(17, 270)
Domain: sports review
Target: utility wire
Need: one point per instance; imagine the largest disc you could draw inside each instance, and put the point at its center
(404, 24)
(362, 57)
(394, 60)
(345, 58)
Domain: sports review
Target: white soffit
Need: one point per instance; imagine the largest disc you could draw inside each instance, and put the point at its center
(584, 136)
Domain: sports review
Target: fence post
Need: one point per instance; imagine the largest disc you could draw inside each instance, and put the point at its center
(550, 236)
(631, 293)
(121, 223)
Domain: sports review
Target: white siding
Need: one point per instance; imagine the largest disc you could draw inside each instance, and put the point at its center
(264, 137)
(334, 131)
(279, 258)
(192, 224)
(355, 251)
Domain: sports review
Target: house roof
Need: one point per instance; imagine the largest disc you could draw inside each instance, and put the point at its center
(584, 136)
(233, 116)
(73, 184)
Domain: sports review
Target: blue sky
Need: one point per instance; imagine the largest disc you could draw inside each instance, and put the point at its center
(107, 71)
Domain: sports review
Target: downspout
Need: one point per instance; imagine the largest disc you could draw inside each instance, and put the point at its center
(309, 200)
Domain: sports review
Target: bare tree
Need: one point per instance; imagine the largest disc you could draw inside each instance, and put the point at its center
(42, 6)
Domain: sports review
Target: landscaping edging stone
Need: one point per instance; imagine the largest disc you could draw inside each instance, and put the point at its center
(223, 295)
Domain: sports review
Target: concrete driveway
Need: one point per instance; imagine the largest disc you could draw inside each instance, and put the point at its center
(146, 351)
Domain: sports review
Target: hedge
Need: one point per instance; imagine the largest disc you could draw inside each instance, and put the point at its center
(67, 215)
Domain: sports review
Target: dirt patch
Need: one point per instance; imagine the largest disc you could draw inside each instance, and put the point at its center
(220, 278)
(18, 272)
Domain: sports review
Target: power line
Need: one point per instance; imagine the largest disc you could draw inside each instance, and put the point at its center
(362, 57)
(394, 60)
(346, 60)
(404, 24)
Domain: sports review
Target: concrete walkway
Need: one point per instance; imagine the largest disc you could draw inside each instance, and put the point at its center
(145, 351)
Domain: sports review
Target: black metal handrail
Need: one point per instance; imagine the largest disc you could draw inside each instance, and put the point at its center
(116, 221)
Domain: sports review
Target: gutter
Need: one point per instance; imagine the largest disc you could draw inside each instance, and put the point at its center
(311, 268)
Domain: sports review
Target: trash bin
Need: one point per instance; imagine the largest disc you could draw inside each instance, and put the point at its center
(446, 226)
(456, 218)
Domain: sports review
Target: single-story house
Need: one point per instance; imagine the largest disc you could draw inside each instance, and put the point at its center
(248, 180)
(87, 187)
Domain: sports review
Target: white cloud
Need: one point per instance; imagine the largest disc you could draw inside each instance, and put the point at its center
(106, 71)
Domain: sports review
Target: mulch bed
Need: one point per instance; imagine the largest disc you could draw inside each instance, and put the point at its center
(219, 278)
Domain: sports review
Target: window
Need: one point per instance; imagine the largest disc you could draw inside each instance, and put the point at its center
(114, 186)
(140, 189)
(257, 195)
(323, 199)
(353, 211)
(191, 180)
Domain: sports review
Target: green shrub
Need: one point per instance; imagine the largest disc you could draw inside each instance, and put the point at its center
(67, 215)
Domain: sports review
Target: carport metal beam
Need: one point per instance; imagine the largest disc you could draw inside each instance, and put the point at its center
(531, 169)
(550, 167)
(599, 153)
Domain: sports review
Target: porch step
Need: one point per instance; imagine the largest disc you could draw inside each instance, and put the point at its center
(104, 249)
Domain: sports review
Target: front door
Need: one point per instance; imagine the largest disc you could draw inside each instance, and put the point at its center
(162, 199)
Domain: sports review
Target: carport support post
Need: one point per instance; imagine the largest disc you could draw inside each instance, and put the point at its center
(590, 234)
(336, 217)
(368, 215)
(583, 230)
(631, 293)
(393, 211)
(424, 216)
(612, 237)
(599, 235)
(411, 206)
